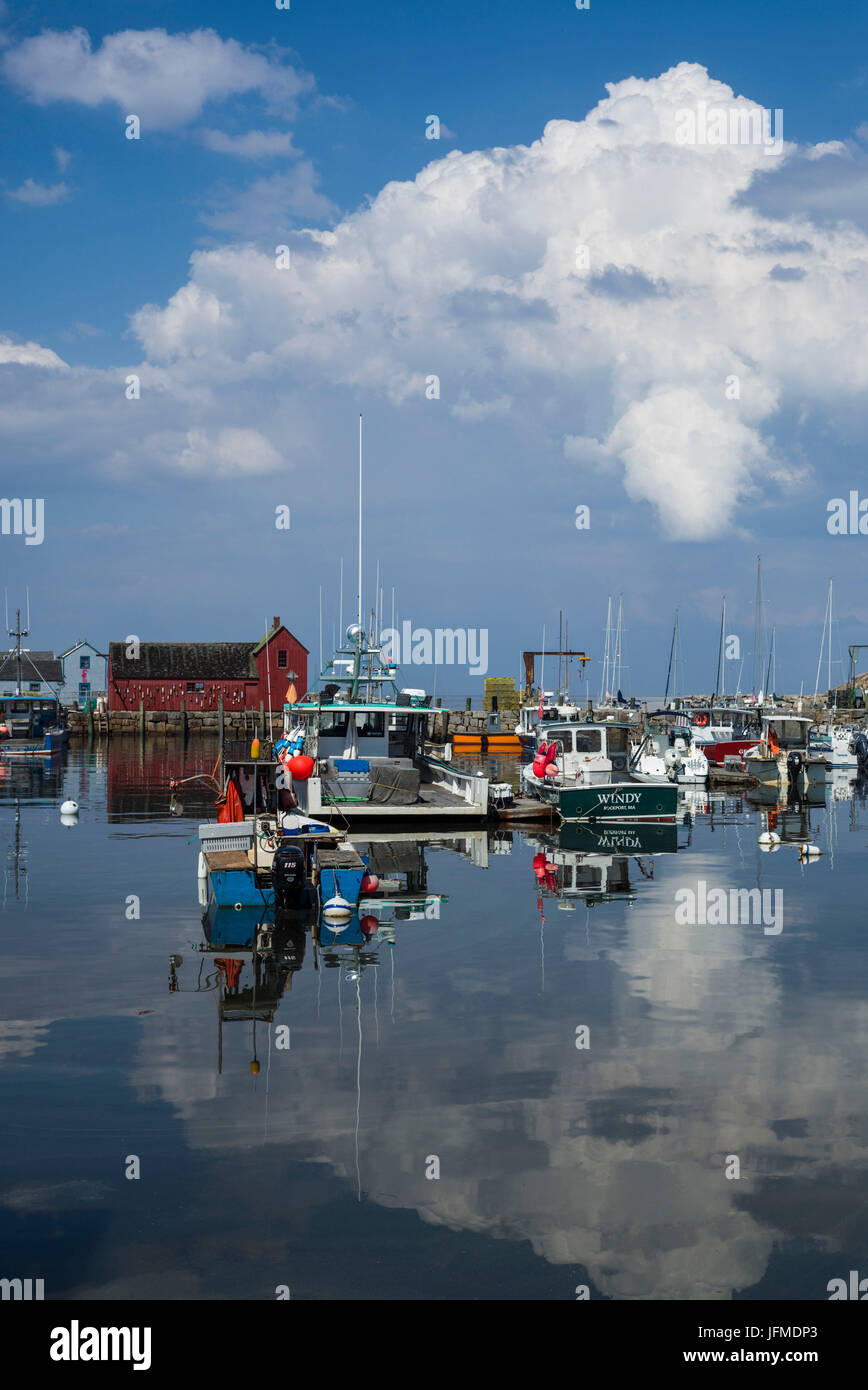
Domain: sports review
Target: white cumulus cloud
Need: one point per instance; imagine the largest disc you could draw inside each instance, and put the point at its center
(165, 79)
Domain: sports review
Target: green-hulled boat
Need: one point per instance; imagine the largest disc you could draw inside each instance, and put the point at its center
(589, 778)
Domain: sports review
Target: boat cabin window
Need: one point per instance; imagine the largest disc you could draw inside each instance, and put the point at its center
(589, 742)
(19, 707)
(333, 723)
(371, 724)
(790, 733)
(616, 740)
(564, 737)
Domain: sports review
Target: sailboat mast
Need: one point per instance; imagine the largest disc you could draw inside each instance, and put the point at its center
(827, 623)
(829, 686)
(359, 616)
(560, 652)
(718, 691)
(675, 674)
(758, 632)
(605, 674)
(671, 654)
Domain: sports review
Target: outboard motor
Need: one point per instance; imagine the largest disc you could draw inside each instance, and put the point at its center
(794, 764)
(860, 748)
(288, 876)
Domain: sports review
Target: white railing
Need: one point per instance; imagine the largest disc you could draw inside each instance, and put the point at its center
(472, 787)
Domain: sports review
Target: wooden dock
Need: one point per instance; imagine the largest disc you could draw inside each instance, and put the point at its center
(435, 803)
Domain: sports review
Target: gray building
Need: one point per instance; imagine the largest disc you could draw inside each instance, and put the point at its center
(41, 673)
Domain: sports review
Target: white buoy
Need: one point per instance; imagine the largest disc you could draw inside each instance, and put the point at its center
(337, 907)
(769, 837)
(807, 851)
(69, 808)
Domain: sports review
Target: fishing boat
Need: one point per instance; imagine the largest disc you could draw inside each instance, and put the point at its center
(585, 775)
(723, 731)
(32, 724)
(782, 755)
(353, 748)
(547, 710)
(668, 752)
(835, 741)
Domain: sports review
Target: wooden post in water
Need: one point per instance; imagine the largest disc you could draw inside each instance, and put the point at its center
(89, 721)
(141, 719)
(183, 720)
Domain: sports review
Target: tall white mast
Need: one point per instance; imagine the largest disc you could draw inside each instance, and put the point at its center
(605, 673)
(827, 622)
(829, 686)
(359, 616)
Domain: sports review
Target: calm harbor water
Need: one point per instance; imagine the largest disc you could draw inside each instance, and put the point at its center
(447, 1043)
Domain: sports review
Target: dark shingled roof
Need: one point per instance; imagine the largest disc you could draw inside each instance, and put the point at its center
(184, 661)
(35, 666)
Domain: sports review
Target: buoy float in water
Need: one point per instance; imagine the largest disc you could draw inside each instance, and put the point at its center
(69, 808)
(769, 837)
(370, 883)
(809, 852)
(337, 911)
(369, 925)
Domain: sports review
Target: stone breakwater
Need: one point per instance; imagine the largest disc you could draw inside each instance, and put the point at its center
(442, 724)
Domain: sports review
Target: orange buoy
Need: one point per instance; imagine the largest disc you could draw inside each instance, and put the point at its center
(255, 749)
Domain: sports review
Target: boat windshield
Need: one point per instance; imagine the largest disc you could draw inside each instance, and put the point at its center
(588, 741)
(616, 739)
(790, 732)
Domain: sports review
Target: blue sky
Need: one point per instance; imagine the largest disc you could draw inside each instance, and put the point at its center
(159, 512)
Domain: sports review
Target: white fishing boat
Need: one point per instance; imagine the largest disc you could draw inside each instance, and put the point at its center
(669, 752)
(585, 772)
(835, 741)
(782, 755)
(549, 710)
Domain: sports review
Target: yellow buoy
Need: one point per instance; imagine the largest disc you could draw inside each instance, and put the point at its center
(254, 749)
(254, 1067)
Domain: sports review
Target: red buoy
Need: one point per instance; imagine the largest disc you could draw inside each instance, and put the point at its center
(370, 883)
(301, 767)
(369, 925)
